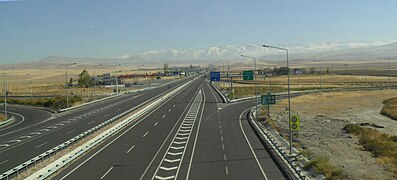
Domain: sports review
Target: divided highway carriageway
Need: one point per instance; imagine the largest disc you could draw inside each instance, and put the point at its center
(191, 135)
(29, 137)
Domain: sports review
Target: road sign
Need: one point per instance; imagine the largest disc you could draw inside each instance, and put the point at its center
(294, 121)
(248, 75)
(268, 99)
(215, 76)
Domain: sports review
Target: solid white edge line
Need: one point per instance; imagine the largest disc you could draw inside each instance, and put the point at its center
(249, 144)
(197, 134)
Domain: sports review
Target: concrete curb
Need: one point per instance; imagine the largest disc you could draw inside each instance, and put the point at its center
(225, 99)
(6, 121)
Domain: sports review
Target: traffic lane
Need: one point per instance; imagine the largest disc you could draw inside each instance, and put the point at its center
(31, 115)
(248, 155)
(122, 105)
(132, 162)
(208, 158)
(16, 156)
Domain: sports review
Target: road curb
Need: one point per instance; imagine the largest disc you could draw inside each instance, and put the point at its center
(224, 99)
(6, 121)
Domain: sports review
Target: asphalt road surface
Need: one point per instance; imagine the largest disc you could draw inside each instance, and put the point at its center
(191, 136)
(27, 140)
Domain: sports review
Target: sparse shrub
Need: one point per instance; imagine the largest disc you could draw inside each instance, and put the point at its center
(352, 128)
(321, 164)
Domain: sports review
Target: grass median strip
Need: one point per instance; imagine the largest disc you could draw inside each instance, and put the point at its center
(390, 108)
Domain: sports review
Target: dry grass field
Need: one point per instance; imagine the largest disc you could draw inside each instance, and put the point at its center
(50, 81)
(2, 117)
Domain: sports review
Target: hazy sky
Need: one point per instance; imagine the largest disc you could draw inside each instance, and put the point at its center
(33, 29)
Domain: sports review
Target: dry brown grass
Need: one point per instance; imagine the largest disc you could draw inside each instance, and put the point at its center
(2, 117)
(50, 81)
(381, 145)
(390, 108)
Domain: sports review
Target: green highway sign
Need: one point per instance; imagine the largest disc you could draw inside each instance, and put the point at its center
(268, 99)
(248, 75)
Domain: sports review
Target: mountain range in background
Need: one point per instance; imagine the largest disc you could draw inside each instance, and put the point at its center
(331, 51)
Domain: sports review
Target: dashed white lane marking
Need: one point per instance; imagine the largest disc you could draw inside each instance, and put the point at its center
(220, 126)
(3, 162)
(173, 105)
(221, 132)
(223, 146)
(227, 170)
(169, 110)
(106, 115)
(155, 124)
(71, 131)
(224, 157)
(222, 138)
(146, 134)
(107, 172)
(163, 116)
(41, 145)
(118, 110)
(132, 147)
(91, 122)
(219, 122)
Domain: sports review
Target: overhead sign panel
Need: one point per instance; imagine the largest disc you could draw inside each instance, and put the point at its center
(215, 76)
(248, 75)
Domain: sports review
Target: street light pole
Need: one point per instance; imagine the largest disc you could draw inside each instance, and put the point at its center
(256, 86)
(6, 90)
(269, 90)
(320, 73)
(289, 94)
(67, 84)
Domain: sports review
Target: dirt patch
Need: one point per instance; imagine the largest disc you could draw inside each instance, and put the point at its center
(323, 117)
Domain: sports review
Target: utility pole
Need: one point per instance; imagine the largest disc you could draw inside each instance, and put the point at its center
(6, 90)
(95, 78)
(320, 73)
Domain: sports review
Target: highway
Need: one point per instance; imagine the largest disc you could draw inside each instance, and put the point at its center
(191, 136)
(27, 140)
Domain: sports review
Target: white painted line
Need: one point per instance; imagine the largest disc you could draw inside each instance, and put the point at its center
(169, 110)
(146, 134)
(221, 132)
(163, 116)
(91, 122)
(224, 157)
(118, 110)
(220, 126)
(132, 147)
(15, 141)
(41, 145)
(106, 115)
(174, 154)
(3, 162)
(222, 138)
(168, 169)
(164, 178)
(71, 131)
(103, 176)
(173, 105)
(227, 170)
(155, 124)
(223, 146)
(219, 122)
(249, 144)
(171, 161)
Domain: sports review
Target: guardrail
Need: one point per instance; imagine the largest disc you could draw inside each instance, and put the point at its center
(50, 169)
(225, 99)
(279, 149)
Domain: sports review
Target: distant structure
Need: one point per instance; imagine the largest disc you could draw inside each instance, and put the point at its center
(297, 72)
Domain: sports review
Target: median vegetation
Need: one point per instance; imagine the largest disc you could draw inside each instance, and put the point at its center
(54, 102)
(322, 165)
(381, 145)
(390, 108)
